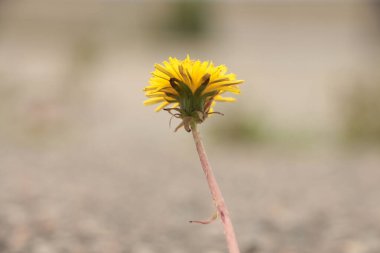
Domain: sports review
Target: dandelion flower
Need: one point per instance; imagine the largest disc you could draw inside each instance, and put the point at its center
(190, 88)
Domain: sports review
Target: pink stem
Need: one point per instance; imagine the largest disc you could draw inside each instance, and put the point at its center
(216, 193)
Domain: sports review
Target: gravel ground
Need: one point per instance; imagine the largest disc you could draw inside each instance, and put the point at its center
(82, 197)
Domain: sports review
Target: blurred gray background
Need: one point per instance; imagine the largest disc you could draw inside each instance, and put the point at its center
(86, 168)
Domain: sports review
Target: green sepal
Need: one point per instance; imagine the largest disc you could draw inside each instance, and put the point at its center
(210, 94)
(171, 95)
(175, 86)
(187, 91)
(203, 86)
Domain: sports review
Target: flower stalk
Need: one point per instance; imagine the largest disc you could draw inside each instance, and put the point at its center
(188, 90)
(216, 193)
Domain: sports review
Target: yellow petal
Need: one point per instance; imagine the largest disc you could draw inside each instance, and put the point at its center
(224, 99)
(163, 70)
(161, 106)
(152, 101)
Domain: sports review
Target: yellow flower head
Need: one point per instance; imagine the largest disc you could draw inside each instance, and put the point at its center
(189, 87)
